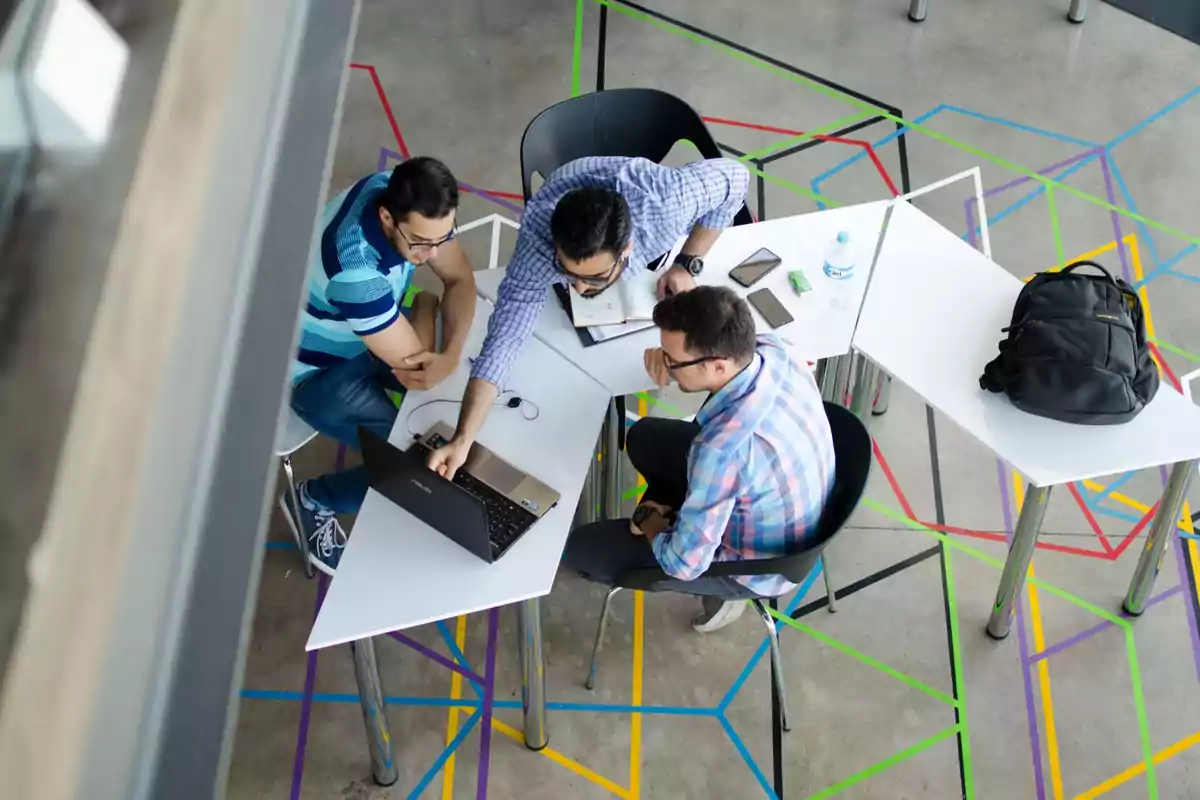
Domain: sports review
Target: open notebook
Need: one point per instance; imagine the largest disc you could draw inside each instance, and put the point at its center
(629, 300)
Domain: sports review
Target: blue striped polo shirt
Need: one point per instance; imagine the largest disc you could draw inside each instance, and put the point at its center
(356, 280)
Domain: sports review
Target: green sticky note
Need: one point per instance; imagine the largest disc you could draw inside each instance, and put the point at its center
(799, 281)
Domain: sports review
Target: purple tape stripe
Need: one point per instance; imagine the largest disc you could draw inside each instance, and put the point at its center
(1035, 741)
(438, 657)
(310, 679)
(1098, 628)
(489, 694)
(386, 155)
(1116, 219)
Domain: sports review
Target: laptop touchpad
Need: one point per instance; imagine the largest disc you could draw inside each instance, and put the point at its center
(500, 476)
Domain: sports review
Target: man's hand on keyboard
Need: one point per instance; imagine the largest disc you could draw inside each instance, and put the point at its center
(448, 458)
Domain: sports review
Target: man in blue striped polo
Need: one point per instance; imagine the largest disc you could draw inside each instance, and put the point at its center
(357, 342)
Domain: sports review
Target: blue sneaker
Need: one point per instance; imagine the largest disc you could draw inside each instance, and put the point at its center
(322, 532)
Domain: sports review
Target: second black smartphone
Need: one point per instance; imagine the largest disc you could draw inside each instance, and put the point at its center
(767, 304)
(755, 268)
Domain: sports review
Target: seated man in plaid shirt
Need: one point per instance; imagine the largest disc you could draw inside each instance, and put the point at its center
(746, 480)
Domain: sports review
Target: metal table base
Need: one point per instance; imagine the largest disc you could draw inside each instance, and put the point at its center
(919, 9)
(1029, 524)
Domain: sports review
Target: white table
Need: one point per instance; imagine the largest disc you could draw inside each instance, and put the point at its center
(824, 318)
(932, 319)
(397, 572)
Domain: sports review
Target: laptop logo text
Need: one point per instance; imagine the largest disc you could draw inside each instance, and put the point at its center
(422, 487)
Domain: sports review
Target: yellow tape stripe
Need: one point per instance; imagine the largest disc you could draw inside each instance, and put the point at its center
(1043, 668)
(1139, 768)
(460, 638)
(1136, 257)
(561, 760)
(635, 722)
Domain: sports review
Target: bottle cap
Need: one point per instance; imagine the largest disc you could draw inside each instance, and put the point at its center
(843, 237)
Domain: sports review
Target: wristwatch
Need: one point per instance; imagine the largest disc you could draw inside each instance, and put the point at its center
(693, 264)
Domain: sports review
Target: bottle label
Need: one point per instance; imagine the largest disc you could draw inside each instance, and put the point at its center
(837, 273)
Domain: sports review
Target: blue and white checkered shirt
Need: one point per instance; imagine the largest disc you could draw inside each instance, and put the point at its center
(665, 203)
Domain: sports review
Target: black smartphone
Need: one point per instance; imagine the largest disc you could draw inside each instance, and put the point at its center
(769, 306)
(755, 268)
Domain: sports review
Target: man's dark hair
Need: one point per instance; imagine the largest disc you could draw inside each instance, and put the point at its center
(714, 322)
(424, 185)
(589, 221)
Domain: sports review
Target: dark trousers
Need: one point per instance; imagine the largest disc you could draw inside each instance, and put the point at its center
(603, 551)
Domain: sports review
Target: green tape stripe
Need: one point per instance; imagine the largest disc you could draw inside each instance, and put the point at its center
(863, 657)
(1059, 254)
(675, 412)
(960, 692)
(769, 178)
(634, 493)
(577, 49)
(876, 110)
(1179, 351)
(1135, 675)
(800, 137)
(995, 562)
(892, 761)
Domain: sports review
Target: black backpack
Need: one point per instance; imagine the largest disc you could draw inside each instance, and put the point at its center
(1076, 350)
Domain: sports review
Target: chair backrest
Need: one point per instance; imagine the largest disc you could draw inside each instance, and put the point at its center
(852, 449)
(637, 123)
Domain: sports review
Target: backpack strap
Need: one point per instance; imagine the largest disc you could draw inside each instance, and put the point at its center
(1107, 274)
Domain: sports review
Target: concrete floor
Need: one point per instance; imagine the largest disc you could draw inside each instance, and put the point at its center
(900, 694)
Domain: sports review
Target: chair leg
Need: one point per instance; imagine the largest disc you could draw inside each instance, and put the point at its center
(298, 531)
(829, 592)
(590, 683)
(776, 663)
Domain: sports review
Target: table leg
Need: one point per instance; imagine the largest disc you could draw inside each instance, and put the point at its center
(833, 377)
(883, 394)
(862, 392)
(1020, 553)
(612, 462)
(533, 673)
(917, 9)
(1077, 12)
(1161, 531)
(370, 696)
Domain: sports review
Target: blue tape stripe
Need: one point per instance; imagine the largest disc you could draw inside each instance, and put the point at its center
(1167, 266)
(455, 653)
(1143, 231)
(446, 702)
(282, 545)
(745, 754)
(1184, 275)
(762, 647)
(1020, 126)
(1094, 499)
(436, 767)
(1157, 115)
(859, 156)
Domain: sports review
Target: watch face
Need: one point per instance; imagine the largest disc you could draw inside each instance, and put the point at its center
(694, 265)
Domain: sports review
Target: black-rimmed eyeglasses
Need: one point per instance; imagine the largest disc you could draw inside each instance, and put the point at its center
(598, 281)
(425, 247)
(673, 365)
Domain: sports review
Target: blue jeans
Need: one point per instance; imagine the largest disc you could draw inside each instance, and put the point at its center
(335, 401)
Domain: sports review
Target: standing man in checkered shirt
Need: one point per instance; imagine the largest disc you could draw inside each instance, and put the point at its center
(594, 222)
(747, 480)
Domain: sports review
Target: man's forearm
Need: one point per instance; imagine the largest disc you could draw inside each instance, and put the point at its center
(700, 241)
(458, 312)
(477, 402)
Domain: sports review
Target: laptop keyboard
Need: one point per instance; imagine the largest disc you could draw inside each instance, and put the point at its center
(506, 520)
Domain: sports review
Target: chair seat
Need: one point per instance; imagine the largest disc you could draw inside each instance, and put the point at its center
(292, 433)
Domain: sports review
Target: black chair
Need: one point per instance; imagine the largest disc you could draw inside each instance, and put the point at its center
(637, 123)
(852, 446)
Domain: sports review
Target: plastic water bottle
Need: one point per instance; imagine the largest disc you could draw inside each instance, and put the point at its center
(839, 258)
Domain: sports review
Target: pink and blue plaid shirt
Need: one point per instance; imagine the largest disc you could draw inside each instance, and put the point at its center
(759, 472)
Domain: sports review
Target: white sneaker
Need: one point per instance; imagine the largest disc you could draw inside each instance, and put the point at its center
(717, 614)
